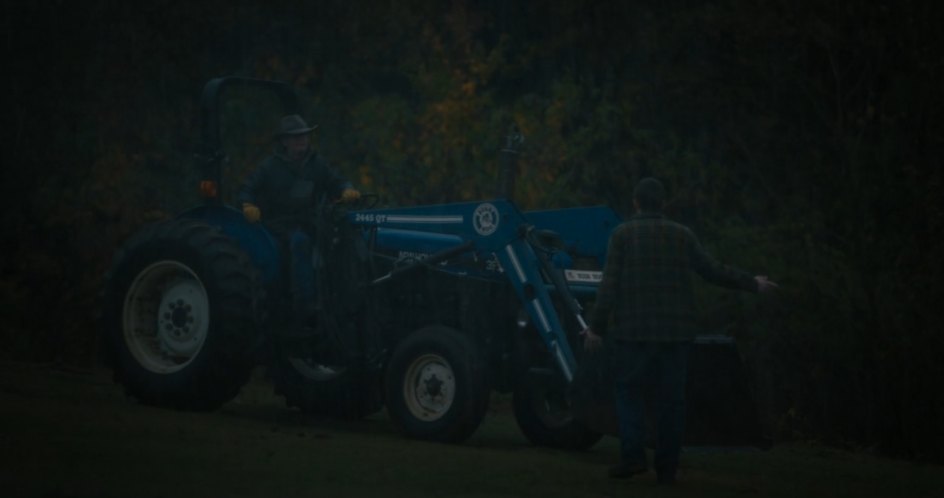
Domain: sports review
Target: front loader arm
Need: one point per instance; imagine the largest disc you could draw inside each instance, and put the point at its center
(493, 229)
(526, 278)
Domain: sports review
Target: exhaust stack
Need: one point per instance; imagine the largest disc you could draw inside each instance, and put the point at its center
(508, 164)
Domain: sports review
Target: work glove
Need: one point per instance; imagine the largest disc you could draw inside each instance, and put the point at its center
(251, 212)
(350, 195)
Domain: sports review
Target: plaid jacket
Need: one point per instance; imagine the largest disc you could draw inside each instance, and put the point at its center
(647, 281)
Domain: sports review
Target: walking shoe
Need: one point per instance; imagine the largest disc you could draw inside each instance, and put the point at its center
(626, 470)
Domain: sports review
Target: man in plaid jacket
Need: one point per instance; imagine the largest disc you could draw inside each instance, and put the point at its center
(647, 291)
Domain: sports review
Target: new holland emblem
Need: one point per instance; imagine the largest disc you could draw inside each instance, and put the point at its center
(485, 219)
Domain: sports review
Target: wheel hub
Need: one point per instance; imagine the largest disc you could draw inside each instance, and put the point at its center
(166, 316)
(434, 386)
(429, 387)
(180, 316)
(179, 324)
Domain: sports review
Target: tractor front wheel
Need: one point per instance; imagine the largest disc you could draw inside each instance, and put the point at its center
(436, 385)
(545, 415)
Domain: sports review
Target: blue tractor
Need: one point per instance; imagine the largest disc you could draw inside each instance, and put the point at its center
(425, 310)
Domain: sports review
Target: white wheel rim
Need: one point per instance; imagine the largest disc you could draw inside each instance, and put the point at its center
(166, 317)
(429, 387)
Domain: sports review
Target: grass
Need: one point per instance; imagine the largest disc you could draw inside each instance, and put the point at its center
(74, 434)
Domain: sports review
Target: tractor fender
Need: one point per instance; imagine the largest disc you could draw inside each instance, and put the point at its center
(253, 238)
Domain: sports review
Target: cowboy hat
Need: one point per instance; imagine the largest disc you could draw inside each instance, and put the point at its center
(293, 124)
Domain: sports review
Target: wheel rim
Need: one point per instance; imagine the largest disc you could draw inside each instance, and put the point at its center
(166, 317)
(429, 387)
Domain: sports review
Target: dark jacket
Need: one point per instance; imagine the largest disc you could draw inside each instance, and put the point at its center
(647, 282)
(284, 190)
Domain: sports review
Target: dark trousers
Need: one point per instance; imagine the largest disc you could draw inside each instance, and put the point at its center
(297, 245)
(302, 272)
(662, 367)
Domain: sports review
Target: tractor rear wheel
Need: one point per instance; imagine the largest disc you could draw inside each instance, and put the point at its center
(179, 322)
(436, 385)
(545, 414)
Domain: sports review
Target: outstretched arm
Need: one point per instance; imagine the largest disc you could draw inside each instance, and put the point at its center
(720, 274)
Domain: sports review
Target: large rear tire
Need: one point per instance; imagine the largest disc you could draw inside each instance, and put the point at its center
(436, 385)
(179, 321)
(545, 414)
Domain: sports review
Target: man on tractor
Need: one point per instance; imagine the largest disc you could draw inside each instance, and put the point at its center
(283, 192)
